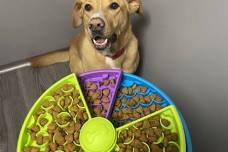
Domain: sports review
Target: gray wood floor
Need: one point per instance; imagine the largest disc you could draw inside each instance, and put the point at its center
(18, 91)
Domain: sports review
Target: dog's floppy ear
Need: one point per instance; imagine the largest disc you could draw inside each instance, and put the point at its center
(77, 13)
(135, 6)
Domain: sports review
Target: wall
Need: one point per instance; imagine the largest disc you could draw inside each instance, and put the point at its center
(183, 48)
(32, 27)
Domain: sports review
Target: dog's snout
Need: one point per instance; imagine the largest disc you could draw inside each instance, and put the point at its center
(96, 24)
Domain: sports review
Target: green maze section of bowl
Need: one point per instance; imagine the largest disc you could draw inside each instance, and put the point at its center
(25, 138)
(175, 126)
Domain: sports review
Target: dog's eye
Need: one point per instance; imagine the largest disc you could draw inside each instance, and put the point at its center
(114, 5)
(88, 7)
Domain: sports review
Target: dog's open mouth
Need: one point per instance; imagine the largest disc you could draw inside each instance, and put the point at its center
(101, 42)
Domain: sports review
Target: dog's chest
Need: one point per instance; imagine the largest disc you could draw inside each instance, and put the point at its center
(110, 62)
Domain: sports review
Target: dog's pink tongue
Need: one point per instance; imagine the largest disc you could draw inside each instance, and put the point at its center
(100, 40)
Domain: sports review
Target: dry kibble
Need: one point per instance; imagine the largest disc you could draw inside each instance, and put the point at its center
(59, 138)
(74, 108)
(70, 128)
(105, 99)
(124, 100)
(165, 122)
(85, 116)
(130, 91)
(156, 148)
(77, 126)
(146, 111)
(105, 92)
(43, 121)
(47, 139)
(137, 89)
(47, 149)
(143, 89)
(31, 149)
(139, 110)
(97, 110)
(147, 99)
(40, 111)
(88, 84)
(158, 98)
(124, 90)
(114, 114)
(95, 95)
(126, 111)
(63, 120)
(136, 115)
(113, 81)
(69, 147)
(47, 104)
(141, 98)
(139, 124)
(105, 82)
(97, 101)
(125, 116)
(67, 87)
(56, 109)
(93, 86)
(52, 126)
(172, 137)
(146, 124)
(131, 102)
(134, 86)
(69, 138)
(106, 106)
(152, 108)
(39, 140)
(35, 128)
(136, 98)
(118, 103)
(76, 136)
(80, 103)
(158, 107)
(53, 146)
(33, 135)
(75, 101)
(154, 123)
(172, 148)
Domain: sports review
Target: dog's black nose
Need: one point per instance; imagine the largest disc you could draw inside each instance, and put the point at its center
(96, 24)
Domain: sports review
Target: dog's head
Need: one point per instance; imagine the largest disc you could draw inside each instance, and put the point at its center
(104, 20)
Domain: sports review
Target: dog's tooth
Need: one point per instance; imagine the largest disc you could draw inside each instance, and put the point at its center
(105, 42)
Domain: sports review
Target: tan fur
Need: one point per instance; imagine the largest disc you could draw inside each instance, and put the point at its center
(82, 54)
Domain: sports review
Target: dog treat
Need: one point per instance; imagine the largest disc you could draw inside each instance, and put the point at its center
(58, 121)
(147, 135)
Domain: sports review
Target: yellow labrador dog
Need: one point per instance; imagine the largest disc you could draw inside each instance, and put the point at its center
(106, 41)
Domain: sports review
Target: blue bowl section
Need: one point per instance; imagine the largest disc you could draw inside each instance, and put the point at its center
(129, 79)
